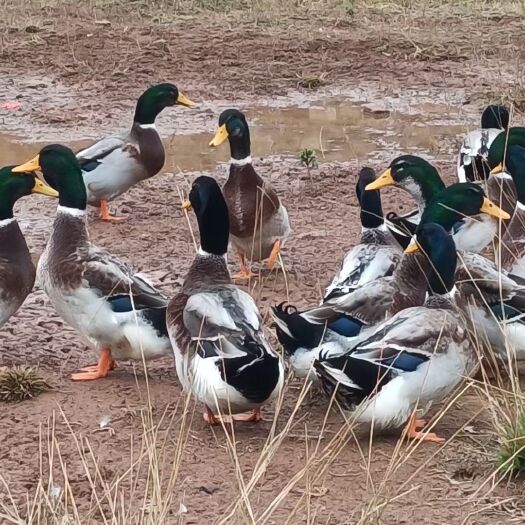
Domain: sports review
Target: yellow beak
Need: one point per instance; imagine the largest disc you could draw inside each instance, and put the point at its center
(490, 208)
(498, 169)
(186, 205)
(385, 180)
(44, 189)
(412, 247)
(220, 136)
(183, 101)
(28, 167)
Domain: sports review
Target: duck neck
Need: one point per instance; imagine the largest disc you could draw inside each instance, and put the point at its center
(519, 184)
(6, 208)
(240, 148)
(147, 110)
(71, 189)
(214, 228)
(429, 188)
(371, 210)
(501, 189)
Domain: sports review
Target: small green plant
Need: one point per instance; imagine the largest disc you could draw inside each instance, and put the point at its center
(19, 383)
(511, 457)
(308, 158)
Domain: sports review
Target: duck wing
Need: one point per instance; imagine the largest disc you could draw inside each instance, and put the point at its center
(368, 304)
(480, 277)
(112, 277)
(222, 320)
(361, 265)
(92, 156)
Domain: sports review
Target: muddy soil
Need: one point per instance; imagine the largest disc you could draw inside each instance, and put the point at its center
(84, 77)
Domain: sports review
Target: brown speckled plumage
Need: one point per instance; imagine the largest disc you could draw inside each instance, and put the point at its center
(250, 200)
(76, 262)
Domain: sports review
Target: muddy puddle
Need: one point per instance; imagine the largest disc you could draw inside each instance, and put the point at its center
(338, 130)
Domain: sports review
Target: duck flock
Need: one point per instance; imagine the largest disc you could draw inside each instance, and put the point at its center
(416, 302)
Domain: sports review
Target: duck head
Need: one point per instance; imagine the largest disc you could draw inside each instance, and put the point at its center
(15, 185)
(155, 99)
(61, 170)
(413, 174)
(233, 126)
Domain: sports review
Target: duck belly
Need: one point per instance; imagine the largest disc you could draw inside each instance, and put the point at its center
(141, 340)
(113, 176)
(515, 336)
(12, 295)
(431, 382)
(258, 245)
(88, 314)
(390, 408)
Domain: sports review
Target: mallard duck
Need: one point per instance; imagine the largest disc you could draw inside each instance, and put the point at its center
(499, 315)
(455, 207)
(416, 358)
(116, 312)
(301, 333)
(480, 280)
(472, 232)
(17, 271)
(221, 353)
(259, 223)
(346, 317)
(472, 162)
(112, 165)
(377, 253)
(417, 177)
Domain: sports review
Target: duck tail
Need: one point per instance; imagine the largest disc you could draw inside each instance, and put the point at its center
(293, 330)
(335, 375)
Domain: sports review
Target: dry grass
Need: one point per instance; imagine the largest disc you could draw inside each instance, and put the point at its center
(149, 489)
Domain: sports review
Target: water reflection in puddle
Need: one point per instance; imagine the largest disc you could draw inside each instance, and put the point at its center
(338, 130)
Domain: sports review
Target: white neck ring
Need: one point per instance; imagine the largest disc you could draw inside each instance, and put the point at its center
(241, 162)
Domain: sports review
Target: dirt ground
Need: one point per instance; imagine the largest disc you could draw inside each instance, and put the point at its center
(104, 452)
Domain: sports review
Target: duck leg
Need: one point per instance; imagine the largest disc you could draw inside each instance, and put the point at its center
(244, 272)
(252, 417)
(93, 368)
(415, 431)
(101, 369)
(274, 254)
(105, 215)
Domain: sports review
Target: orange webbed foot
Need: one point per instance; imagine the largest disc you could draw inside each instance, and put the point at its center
(106, 216)
(98, 371)
(244, 272)
(415, 431)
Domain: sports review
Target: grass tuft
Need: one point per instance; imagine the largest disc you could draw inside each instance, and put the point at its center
(511, 457)
(20, 383)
